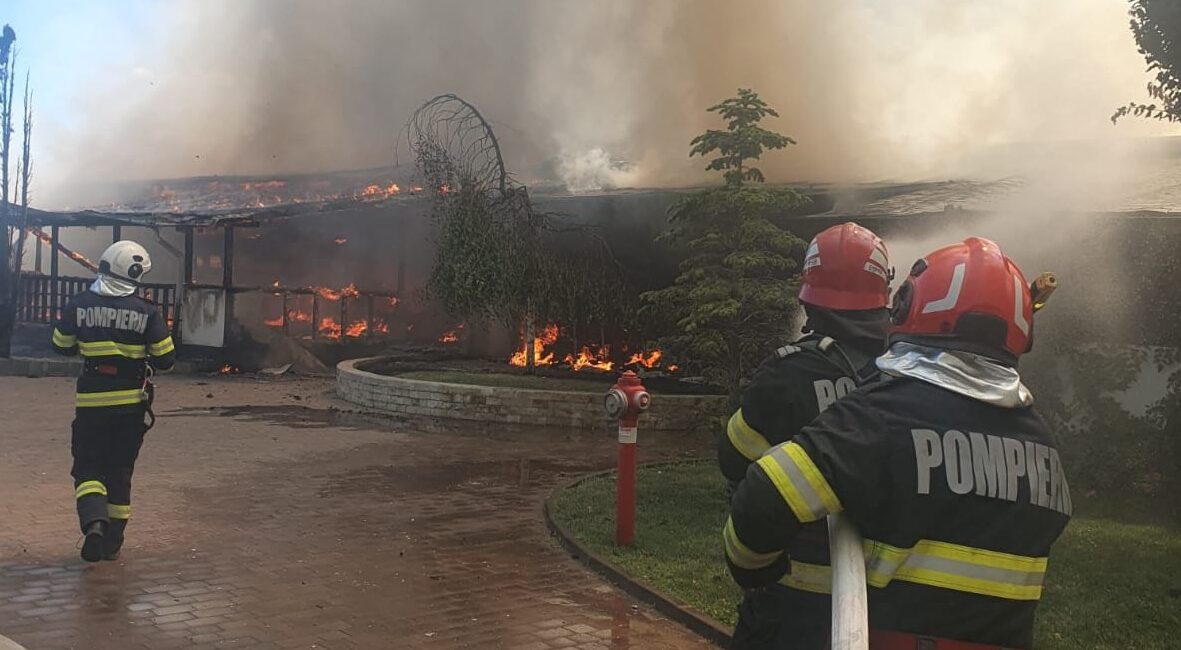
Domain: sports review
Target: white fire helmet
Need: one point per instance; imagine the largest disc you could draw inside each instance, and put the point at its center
(125, 260)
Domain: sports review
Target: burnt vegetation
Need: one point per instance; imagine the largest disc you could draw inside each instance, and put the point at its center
(498, 257)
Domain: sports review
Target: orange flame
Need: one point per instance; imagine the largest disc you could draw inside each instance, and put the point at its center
(274, 322)
(649, 361)
(327, 294)
(672, 368)
(380, 326)
(229, 370)
(588, 359)
(329, 328)
(451, 335)
(378, 191)
(350, 291)
(264, 185)
(340, 240)
(393, 301)
(549, 334)
(356, 329)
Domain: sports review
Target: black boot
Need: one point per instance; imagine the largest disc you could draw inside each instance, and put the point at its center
(113, 540)
(92, 543)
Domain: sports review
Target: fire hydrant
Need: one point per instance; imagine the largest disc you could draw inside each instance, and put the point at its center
(624, 402)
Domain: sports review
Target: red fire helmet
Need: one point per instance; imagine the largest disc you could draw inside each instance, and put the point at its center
(847, 267)
(966, 296)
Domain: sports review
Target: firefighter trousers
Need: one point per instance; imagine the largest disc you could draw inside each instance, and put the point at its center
(105, 445)
(779, 618)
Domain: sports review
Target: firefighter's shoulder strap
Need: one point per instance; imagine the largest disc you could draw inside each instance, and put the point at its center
(849, 361)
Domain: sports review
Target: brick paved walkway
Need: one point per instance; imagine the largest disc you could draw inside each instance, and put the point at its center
(263, 519)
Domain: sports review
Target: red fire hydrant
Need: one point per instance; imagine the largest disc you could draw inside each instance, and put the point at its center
(624, 402)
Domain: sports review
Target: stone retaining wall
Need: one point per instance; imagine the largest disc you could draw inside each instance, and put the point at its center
(553, 408)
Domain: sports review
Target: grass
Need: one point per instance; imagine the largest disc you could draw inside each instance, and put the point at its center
(1110, 584)
(506, 380)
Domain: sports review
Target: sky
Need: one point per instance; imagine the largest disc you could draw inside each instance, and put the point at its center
(871, 89)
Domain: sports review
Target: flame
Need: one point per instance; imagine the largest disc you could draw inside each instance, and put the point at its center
(329, 327)
(672, 368)
(275, 284)
(229, 370)
(250, 187)
(293, 316)
(415, 188)
(393, 301)
(588, 359)
(549, 334)
(380, 326)
(377, 192)
(444, 188)
(451, 335)
(331, 294)
(356, 329)
(340, 240)
(649, 361)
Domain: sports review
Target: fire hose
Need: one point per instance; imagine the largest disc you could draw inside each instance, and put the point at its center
(850, 601)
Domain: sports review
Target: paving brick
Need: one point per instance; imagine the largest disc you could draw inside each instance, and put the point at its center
(268, 529)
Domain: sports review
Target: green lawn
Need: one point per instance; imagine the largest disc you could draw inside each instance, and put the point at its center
(506, 380)
(1111, 585)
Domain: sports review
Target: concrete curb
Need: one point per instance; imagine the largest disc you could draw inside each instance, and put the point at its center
(700, 624)
(550, 408)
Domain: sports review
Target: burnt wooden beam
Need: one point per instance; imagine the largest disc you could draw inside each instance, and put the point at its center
(188, 270)
(54, 245)
(227, 279)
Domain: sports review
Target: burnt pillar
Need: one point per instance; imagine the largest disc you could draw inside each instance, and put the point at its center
(227, 279)
(54, 241)
(188, 262)
(116, 233)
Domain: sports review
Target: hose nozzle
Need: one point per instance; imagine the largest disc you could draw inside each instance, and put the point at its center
(1041, 288)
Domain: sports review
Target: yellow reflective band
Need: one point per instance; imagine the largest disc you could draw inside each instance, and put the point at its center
(109, 398)
(961, 568)
(741, 555)
(89, 487)
(64, 340)
(162, 347)
(115, 511)
(799, 482)
(746, 440)
(112, 348)
(816, 578)
(815, 479)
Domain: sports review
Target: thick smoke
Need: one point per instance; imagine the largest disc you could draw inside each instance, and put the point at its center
(870, 90)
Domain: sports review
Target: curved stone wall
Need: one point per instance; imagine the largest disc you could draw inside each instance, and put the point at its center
(552, 408)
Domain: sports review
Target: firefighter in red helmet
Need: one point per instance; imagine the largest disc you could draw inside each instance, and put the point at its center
(951, 476)
(845, 291)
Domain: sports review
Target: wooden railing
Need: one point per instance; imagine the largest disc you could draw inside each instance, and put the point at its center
(40, 298)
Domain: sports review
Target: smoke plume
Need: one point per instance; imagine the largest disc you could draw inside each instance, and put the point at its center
(870, 90)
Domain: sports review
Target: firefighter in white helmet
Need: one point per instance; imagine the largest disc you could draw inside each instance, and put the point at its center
(122, 338)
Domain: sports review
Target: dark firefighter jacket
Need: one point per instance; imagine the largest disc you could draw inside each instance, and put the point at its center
(116, 336)
(958, 502)
(786, 393)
